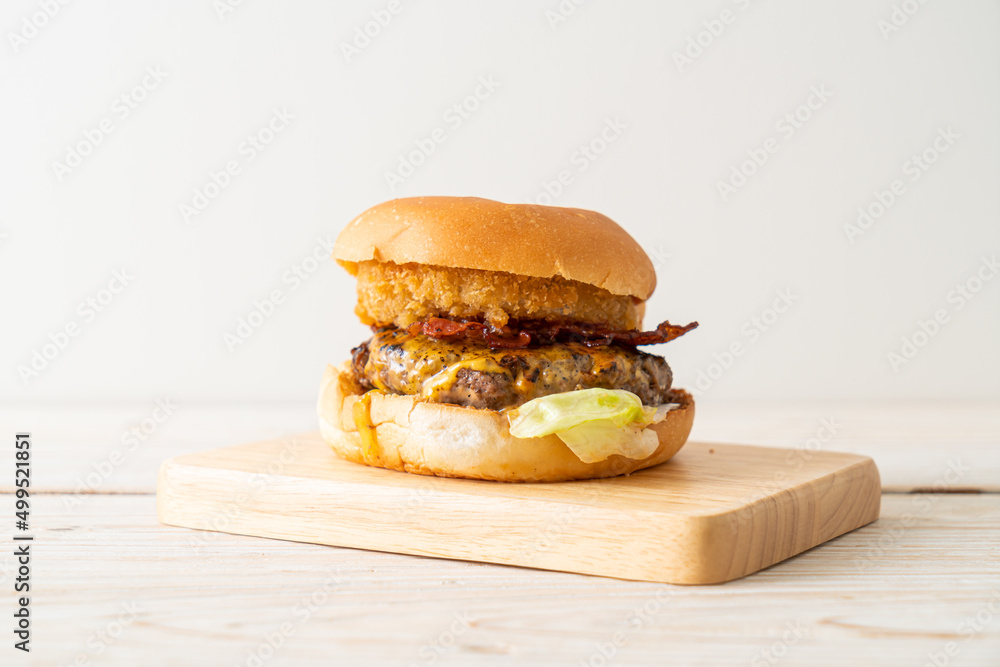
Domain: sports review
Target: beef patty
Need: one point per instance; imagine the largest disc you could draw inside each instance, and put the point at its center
(471, 374)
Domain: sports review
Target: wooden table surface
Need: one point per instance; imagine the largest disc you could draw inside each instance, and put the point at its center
(111, 586)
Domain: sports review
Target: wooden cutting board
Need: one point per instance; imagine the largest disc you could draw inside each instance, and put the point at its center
(711, 514)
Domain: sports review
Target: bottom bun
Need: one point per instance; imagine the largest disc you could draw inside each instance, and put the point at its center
(403, 433)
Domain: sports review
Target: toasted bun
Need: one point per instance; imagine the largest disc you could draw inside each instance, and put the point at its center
(523, 239)
(453, 441)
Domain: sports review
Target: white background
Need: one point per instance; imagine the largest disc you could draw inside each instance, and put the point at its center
(687, 125)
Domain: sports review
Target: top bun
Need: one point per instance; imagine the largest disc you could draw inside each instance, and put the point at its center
(523, 239)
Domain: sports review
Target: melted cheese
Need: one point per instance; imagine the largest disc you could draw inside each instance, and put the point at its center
(362, 413)
(445, 378)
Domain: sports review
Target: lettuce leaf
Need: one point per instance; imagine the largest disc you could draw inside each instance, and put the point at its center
(594, 423)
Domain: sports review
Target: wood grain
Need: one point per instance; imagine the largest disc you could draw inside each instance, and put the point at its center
(895, 592)
(914, 444)
(890, 593)
(712, 514)
(917, 445)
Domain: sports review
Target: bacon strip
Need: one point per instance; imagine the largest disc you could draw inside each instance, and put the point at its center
(531, 332)
(443, 329)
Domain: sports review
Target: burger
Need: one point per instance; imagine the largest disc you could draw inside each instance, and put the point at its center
(504, 345)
